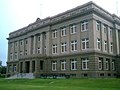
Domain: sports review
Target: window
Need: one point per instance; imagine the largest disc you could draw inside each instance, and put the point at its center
(113, 64)
(16, 55)
(73, 64)
(98, 44)
(98, 26)
(111, 47)
(16, 43)
(105, 29)
(84, 26)
(105, 45)
(63, 65)
(74, 45)
(38, 50)
(100, 63)
(63, 47)
(85, 65)
(21, 42)
(39, 38)
(73, 29)
(14, 68)
(54, 48)
(111, 32)
(26, 41)
(54, 34)
(21, 53)
(25, 52)
(54, 65)
(45, 49)
(63, 31)
(11, 56)
(107, 64)
(85, 43)
(11, 45)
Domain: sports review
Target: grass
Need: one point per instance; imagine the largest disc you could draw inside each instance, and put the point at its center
(60, 84)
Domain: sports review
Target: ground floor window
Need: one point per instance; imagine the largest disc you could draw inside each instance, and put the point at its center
(14, 68)
(73, 64)
(54, 65)
(63, 64)
(85, 64)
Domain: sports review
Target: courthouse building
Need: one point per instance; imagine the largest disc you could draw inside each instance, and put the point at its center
(81, 42)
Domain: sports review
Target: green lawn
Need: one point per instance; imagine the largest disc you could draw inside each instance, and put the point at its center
(60, 84)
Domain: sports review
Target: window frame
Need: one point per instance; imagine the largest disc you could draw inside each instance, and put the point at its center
(85, 61)
(85, 43)
(73, 29)
(54, 49)
(84, 26)
(54, 34)
(54, 65)
(63, 65)
(74, 45)
(63, 31)
(73, 64)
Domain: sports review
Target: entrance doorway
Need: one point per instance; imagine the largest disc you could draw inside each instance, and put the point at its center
(27, 66)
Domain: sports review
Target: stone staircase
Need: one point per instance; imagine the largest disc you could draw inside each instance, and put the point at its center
(22, 75)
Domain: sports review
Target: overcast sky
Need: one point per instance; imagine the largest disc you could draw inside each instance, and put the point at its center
(15, 14)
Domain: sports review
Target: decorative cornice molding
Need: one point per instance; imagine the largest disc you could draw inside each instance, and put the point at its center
(80, 10)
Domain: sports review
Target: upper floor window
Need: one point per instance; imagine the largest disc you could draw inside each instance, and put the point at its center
(73, 64)
(85, 43)
(111, 46)
(16, 43)
(39, 37)
(98, 25)
(26, 52)
(16, 55)
(38, 50)
(26, 41)
(85, 64)
(54, 48)
(21, 53)
(63, 47)
(100, 63)
(73, 29)
(54, 65)
(63, 64)
(63, 31)
(74, 45)
(21, 42)
(54, 34)
(11, 56)
(84, 26)
(105, 45)
(105, 29)
(111, 32)
(98, 43)
(11, 45)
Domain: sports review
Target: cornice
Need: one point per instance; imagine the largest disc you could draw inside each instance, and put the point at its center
(69, 14)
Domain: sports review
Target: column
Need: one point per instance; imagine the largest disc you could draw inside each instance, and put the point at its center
(108, 39)
(34, 44)
(30, 45)
(37, 68)
(117, 42)
(42, 42)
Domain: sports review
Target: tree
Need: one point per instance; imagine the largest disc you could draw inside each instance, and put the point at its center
(0, 63)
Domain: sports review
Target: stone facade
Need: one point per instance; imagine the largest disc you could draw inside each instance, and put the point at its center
(81, 42)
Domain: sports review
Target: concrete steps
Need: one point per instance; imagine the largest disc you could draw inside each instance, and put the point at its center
(22, 75)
